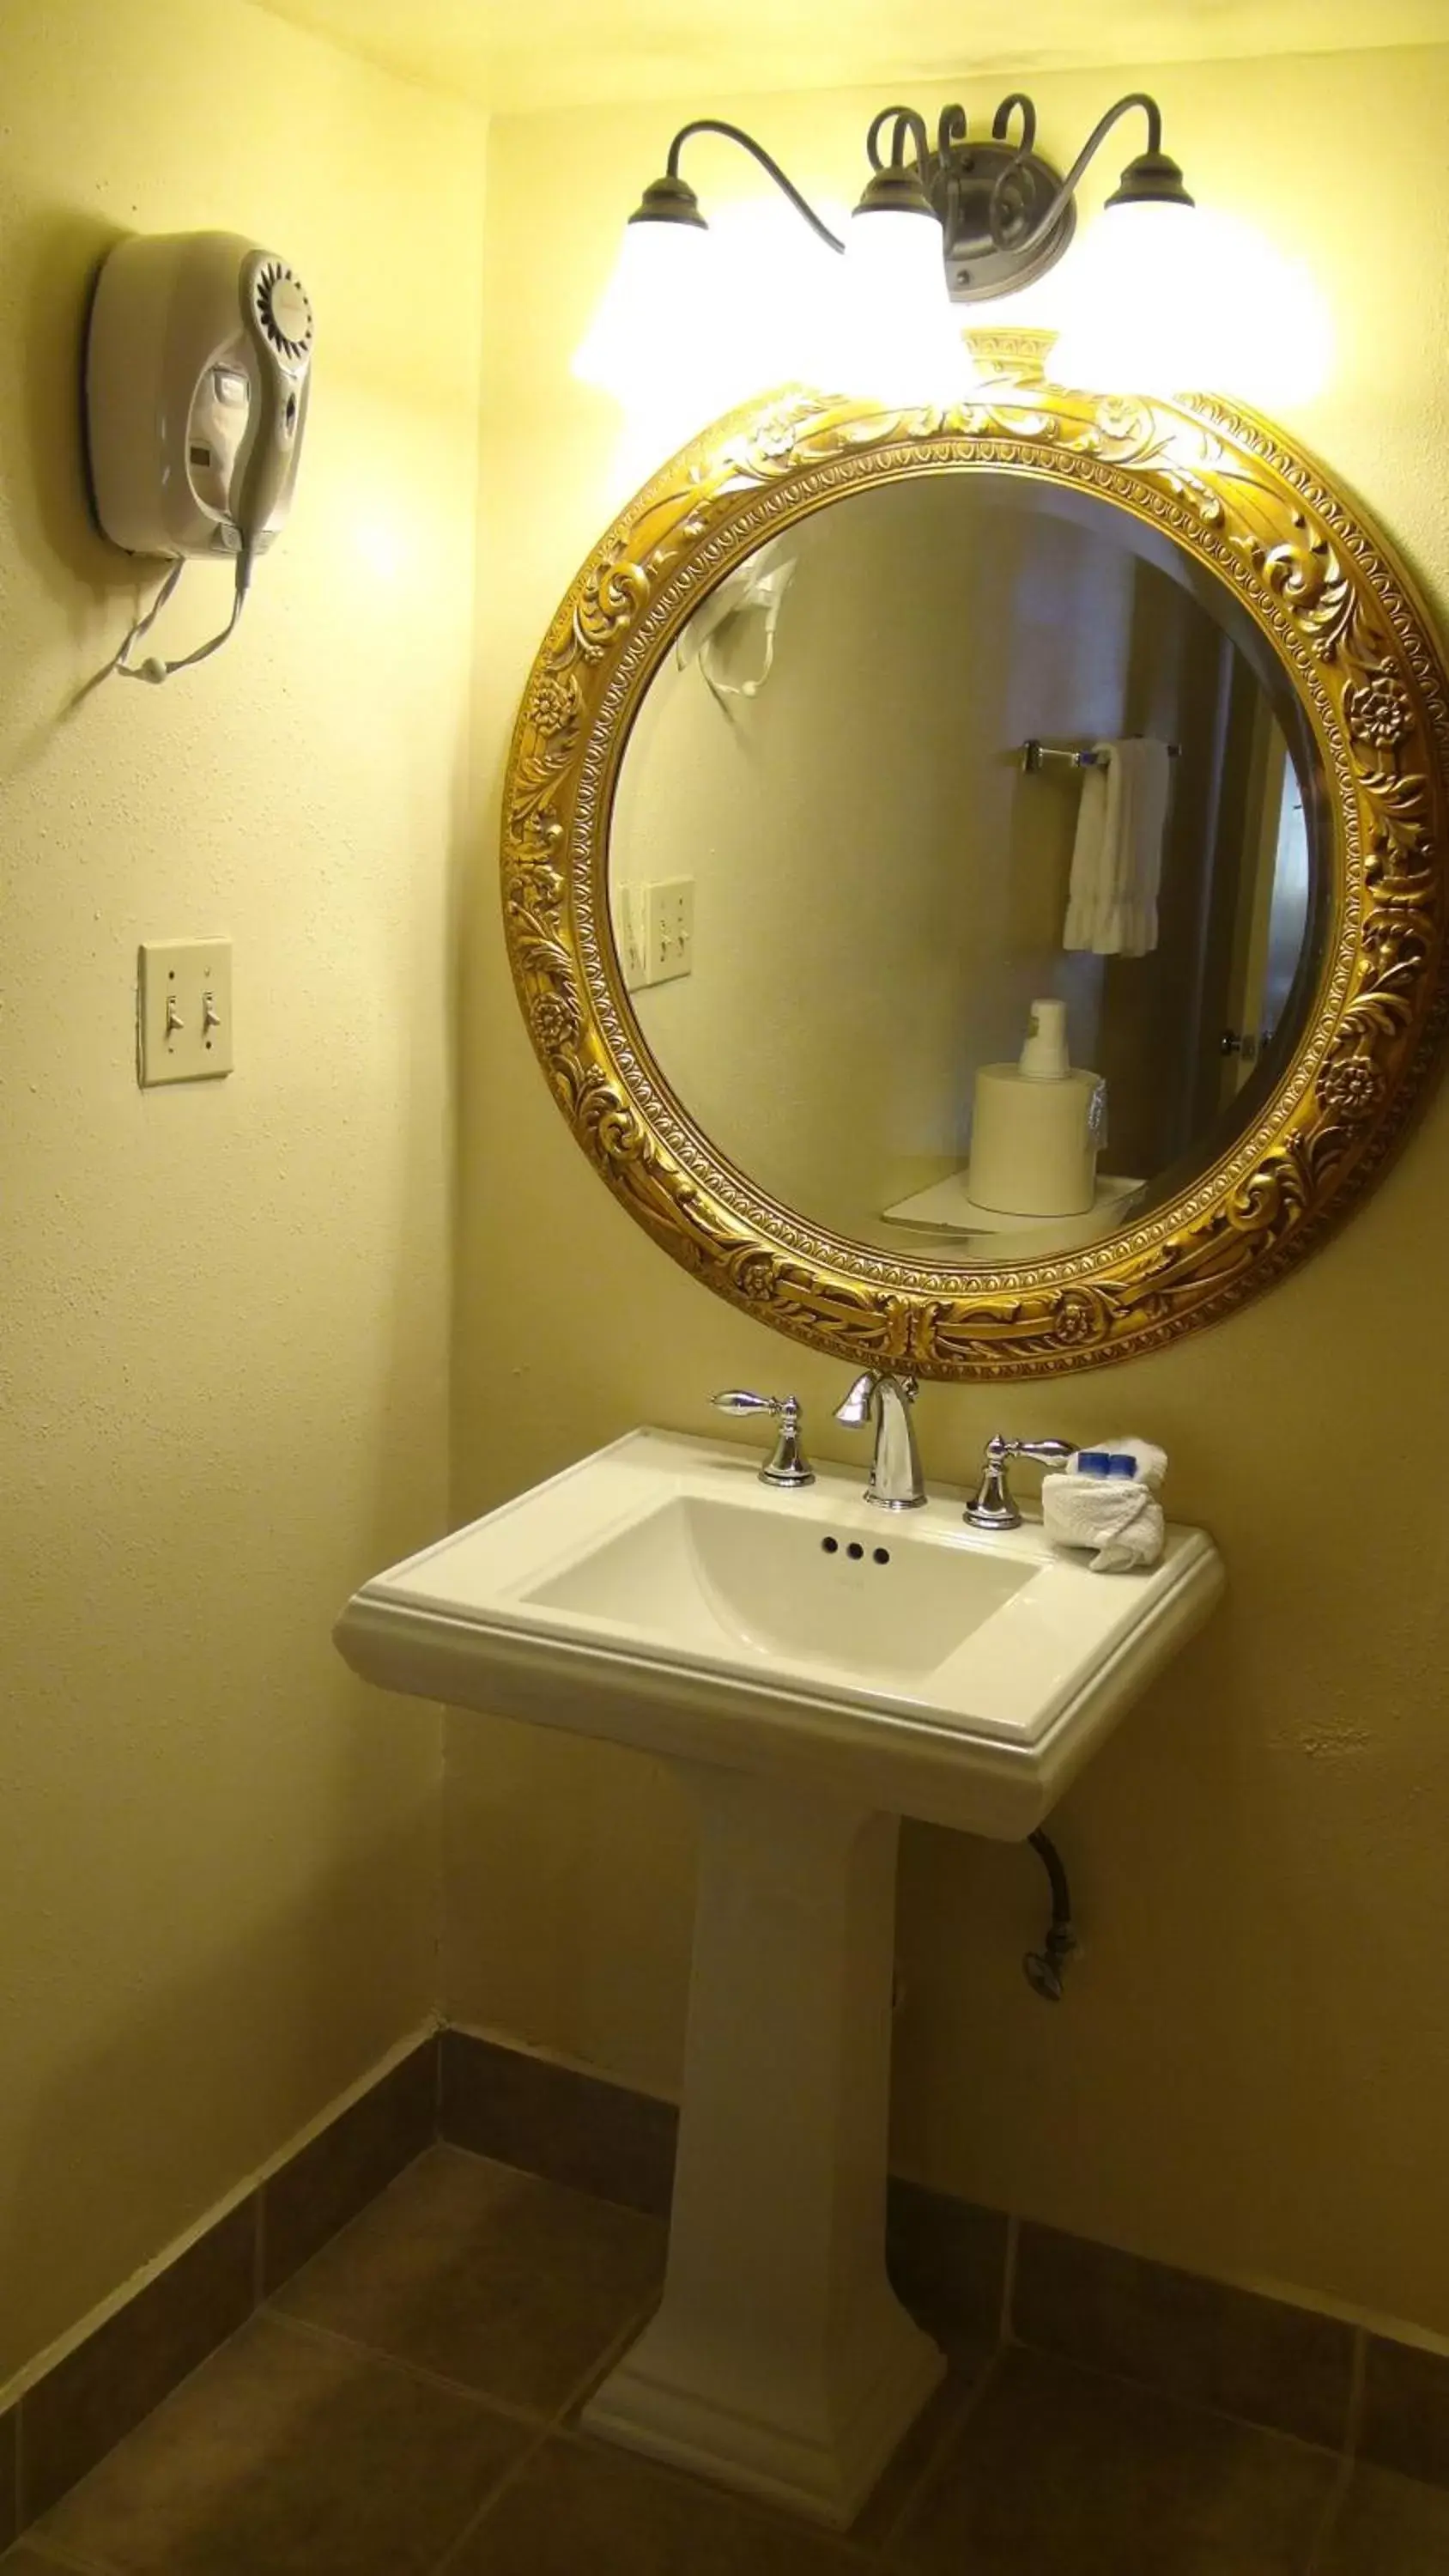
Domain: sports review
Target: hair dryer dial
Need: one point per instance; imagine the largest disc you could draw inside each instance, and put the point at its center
(278, 317)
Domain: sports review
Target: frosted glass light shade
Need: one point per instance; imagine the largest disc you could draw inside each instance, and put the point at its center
(1129, 325)
(1169, 299)
(653, 311)
(894, 252)
(764, 313)
(901, 341)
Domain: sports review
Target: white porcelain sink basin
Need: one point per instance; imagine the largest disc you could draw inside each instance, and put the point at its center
(816, 1668)
(721, 1577)
(659, 1594)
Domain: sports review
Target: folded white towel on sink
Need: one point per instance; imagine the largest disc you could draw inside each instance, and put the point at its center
(1118, 1517)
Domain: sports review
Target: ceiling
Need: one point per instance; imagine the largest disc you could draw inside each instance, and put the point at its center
(517, 55)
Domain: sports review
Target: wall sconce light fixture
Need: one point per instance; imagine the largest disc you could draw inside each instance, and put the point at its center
(960, 223)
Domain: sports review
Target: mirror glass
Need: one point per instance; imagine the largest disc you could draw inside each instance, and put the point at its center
(840, 898)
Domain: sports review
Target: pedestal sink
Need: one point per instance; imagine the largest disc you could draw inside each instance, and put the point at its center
(817, 1669)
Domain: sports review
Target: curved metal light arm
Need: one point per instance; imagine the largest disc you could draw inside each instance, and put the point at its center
(1070, 184)
(1002, 119)
(737, 134)
(908, 123)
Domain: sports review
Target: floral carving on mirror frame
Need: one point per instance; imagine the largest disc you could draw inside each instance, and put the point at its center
(1363, 663)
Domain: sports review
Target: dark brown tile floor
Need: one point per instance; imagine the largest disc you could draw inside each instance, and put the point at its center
(407, 2406)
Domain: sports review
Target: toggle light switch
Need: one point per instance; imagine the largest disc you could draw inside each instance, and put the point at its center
(183, 1011)
(655, 928)
(655, 931)
(669, 929)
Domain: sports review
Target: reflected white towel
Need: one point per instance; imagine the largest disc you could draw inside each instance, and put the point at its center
(1117, 860)
(1118, 1517)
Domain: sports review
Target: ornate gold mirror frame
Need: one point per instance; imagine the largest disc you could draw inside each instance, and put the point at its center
(1359, 650)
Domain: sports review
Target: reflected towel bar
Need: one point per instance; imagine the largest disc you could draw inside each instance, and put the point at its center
(1035, 755)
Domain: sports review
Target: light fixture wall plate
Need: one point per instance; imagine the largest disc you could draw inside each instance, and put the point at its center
(978, 267)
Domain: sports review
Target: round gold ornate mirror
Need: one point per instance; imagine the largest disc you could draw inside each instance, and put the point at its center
(798, 829)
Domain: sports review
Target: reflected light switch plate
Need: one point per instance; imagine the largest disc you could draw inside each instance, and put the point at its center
(654, 931)
(668, 930)
(183, 1011)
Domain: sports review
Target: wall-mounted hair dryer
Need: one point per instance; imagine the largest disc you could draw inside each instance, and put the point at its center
(198, 368)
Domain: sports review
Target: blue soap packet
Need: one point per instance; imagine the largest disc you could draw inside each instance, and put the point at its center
(1106, 1462)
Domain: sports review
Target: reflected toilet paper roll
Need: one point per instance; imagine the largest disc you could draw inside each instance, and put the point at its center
(1034, 1144)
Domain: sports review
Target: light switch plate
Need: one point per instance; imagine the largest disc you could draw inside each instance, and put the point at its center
(659, 944)
(183, 1011)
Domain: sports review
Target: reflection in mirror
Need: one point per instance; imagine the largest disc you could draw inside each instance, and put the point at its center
(838, 894)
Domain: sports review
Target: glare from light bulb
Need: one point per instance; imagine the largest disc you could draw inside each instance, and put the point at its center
(655, 307)
(692, 326)
(383, 547)
(902, 341)
(679, 339)
(1169, 299)
(766, 316)
(780, 294)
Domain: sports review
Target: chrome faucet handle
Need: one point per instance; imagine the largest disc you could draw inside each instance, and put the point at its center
(786, 1464)
(896, 1483)
(993, 1507)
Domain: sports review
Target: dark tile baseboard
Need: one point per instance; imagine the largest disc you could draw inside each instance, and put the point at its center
(551, 2120)
(81, 2408)
(1261, 2360)
(9, 2476)
(948, 2261)
(1406, 2410)
(357, 2155)
(111, 2382)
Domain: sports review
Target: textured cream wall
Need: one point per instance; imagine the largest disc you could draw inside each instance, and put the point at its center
(1252, 2072)
(223, 1310)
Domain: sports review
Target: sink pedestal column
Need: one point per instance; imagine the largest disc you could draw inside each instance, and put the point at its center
(781, 2360)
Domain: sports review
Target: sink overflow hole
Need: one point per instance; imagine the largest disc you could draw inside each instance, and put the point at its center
(879, 1555)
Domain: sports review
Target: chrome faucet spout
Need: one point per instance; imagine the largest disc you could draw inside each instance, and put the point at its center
(855, 1411)
(896, 1482)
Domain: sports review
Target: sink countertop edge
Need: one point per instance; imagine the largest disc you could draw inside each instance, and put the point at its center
(909, 1766)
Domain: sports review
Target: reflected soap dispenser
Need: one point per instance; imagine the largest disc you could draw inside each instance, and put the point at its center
(1044, 1055)
(1037, 1126)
